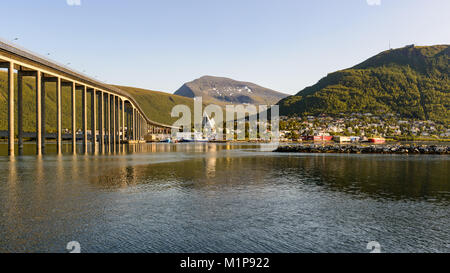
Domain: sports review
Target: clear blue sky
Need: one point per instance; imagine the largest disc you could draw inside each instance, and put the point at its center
(285, 45)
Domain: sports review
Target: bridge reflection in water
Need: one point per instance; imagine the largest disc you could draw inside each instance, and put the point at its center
(123, 149)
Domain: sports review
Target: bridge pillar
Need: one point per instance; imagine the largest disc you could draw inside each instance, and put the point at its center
(20, 109)
(131, 123)
(58, 117)
(43, 112)
(126, 121)
(11, 130)
(111, 121)
(114, 122)
(38, 114)
(130, 126)
(84, 107)
(123, 121)
(102, 121)
(94, 121)
(118, 122)
(118, 114)
(136, 117)
(138, 120)
(134, 124)
(74, 120)
(108, 115)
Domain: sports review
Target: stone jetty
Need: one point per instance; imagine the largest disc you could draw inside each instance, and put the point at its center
(366, 149)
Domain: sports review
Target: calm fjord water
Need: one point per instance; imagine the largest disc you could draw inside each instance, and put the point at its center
(224, 198)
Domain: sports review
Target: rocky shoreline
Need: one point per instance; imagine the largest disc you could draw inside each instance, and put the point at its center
(366, 149)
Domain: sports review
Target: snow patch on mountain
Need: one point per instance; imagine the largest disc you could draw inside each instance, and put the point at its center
(230, 91)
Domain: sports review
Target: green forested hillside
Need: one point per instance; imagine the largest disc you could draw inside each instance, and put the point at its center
(157, 105)
(411, 81)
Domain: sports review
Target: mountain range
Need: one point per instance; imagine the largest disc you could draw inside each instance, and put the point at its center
(413, 82)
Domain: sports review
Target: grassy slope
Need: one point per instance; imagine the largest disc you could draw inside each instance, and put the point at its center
(29, 105)
(158, 105)
(411, 81)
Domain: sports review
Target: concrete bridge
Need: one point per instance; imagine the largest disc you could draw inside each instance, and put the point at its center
(116, 117)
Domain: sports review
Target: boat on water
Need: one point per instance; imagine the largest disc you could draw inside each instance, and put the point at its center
(190, 140)
(168, 140)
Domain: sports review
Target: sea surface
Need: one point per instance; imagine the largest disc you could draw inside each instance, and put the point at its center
(217, 198)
